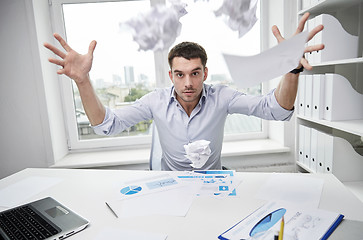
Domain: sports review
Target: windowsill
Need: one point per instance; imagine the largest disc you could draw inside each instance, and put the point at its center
(107, 158)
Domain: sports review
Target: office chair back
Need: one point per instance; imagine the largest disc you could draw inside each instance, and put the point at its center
(156, 151)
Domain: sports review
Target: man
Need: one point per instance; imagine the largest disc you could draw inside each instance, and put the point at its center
(188, 111)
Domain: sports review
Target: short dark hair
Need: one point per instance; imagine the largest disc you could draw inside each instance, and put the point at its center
(188, 50)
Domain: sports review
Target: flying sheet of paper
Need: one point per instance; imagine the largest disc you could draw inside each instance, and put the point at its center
(18, 192)
(274, 62)
(158, 28)
(117, 233)
(295, 189)
(174, 202)
(241, 15)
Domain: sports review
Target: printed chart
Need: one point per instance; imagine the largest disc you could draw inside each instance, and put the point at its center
(131, 190)
(142, 186)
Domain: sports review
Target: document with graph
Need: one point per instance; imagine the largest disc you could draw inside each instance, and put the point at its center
(141, 186)
(299, 224)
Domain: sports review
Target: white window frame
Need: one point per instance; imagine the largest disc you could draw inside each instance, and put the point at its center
(162, 78)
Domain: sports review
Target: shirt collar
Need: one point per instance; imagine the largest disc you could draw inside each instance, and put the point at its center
(172, 96)
(202, 99)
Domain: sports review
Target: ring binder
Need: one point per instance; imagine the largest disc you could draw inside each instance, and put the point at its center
(308, 95)
(318, 96)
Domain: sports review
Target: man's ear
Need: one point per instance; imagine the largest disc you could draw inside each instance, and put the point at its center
(171, 76)
(205, 73)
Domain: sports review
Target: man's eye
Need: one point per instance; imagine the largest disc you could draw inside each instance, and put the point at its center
(195, 73)
(179, 75)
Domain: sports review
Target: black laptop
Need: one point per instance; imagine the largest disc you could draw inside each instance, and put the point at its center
(42, 219)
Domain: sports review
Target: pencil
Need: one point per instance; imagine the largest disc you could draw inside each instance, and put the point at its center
(111, 209)
(281, 233)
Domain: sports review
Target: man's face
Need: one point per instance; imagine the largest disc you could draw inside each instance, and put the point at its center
(188, 77)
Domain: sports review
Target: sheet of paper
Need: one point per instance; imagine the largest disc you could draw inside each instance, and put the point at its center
(117, 233)
(300, 223)
(19, 192)
(174, 202)
(142, 186)
(295, 189)
(215, 183)
(232, 185)
(249, 71)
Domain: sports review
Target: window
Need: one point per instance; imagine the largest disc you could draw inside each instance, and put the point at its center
(121, 74)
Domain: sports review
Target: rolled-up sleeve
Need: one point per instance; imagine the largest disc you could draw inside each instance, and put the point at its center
(264, 106)
(107, 126)
(118, 120)
(279, 113)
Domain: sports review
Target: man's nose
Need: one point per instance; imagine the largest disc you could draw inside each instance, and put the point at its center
(188, 81)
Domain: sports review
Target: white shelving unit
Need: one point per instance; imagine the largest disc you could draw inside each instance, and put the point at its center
(350, 15)
(350, 126)
(340, 62)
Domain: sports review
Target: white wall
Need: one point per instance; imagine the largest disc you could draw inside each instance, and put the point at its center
(22, 137)
(26, 122)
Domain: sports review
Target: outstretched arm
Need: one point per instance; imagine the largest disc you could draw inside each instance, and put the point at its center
(286, 90)
(77, 67)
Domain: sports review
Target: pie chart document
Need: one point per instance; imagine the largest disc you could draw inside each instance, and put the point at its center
(163, 194)
(172, 202)
(143, 186)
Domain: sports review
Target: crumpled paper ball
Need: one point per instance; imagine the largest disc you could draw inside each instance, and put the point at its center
(157, 28)
(241, 14)
(198, 152)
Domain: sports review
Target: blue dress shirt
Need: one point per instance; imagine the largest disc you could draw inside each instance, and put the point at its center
(206, 121)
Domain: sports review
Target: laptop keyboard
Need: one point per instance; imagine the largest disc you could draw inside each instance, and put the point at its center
(25, 223)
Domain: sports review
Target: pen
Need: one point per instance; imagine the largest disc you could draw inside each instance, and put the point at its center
(111, 209)
(281, 233)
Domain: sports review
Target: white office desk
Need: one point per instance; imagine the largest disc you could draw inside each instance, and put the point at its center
(85, 191)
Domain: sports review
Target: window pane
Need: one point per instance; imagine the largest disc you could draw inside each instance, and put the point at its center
(202, 26)
(120, 73)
